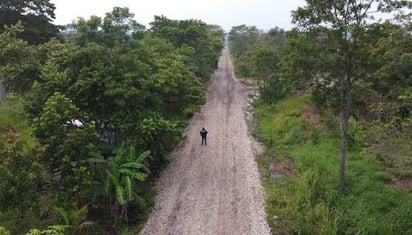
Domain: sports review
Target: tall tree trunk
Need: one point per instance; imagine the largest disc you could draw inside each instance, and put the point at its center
(3, 96)
(344, 120)
(346, 106)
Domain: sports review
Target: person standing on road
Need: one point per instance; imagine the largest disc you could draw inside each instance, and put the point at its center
(203, 134)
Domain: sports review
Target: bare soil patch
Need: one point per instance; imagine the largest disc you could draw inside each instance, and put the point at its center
(311, 115)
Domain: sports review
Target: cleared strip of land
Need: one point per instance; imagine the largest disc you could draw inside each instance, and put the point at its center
(213, 189)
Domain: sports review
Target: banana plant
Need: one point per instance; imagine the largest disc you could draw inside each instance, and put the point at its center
(72, 218)
(120, 171)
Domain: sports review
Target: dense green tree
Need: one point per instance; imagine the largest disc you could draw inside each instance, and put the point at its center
(119, 26)
(265, 58)
(298, 59)
(386, 48)
(35, 15)
(86, 31)
(205, 41)
(276, 37)
(19, 65)
(264, 61)
(115, 28)
(256, 55)
(19, 172)
(64, 146)
(241, 37)
(124, 84)
(390, 58)
(338, 27)
(151, 88)
(135, 89)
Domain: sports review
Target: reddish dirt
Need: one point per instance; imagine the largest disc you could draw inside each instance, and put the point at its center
(213, 189)
(401, 183)
(311, 115)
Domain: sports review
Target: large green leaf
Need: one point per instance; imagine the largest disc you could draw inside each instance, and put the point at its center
(134, 165)
(120, 195)
(128, 188)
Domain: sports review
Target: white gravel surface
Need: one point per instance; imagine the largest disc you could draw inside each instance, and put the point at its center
(213, 189)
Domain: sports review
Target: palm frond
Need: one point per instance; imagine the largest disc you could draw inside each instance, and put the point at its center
(140, 176)
(63, 214)
(142, 157)
(107, 186)
(126, 171)
(128, 188)
(79, 215)
(113, 178)
(132, 153)
(121, 151)
(120, 195)
(134, 165)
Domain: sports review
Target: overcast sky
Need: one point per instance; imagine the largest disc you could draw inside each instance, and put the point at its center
(264, 14)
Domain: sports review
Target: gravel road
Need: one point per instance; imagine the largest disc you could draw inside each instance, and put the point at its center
(213, 189)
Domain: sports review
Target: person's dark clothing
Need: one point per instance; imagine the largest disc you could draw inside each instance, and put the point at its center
(203, 134)
(382, 115)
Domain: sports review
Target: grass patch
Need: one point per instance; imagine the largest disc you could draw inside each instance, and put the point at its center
(309, 203)
(12, 118)
(393, 152)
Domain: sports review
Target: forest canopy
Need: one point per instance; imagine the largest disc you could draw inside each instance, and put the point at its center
(131, 89)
